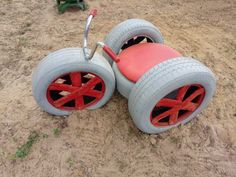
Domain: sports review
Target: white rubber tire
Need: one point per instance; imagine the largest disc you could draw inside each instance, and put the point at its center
(163, 79)
(129, 29)
(64, 61)
(124, 86)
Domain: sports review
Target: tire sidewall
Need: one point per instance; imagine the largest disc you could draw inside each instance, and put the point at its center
(124, 86)
(142, 31)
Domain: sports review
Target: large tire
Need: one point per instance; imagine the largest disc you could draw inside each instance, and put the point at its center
(65, 61)
(159, 82)
(128, 30)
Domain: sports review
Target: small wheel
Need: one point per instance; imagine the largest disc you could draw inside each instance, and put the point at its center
(131, 32)
(65, 81)
(171, 93)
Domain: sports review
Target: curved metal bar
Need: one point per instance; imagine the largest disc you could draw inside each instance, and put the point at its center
(89, 56)
(86, 31)
(101, 44)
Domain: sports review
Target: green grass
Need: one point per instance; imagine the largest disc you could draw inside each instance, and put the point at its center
(56, 132)
(71, 162)
(2, 153)
(45, 135)
(24, 149)
(23, 41)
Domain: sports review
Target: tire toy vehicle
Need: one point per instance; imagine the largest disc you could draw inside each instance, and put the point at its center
(163, 88)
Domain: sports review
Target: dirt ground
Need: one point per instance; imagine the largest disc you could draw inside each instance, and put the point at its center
(105, 142)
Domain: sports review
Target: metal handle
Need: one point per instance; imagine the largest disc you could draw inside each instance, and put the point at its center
(92, 14)
(89, 56)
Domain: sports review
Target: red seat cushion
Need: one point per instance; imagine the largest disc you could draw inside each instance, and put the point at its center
(138, 59)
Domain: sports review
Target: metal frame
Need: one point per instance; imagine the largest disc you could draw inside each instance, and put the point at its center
(86, 32)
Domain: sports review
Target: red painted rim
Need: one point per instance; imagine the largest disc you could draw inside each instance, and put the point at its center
(177, 105)
(75, 91)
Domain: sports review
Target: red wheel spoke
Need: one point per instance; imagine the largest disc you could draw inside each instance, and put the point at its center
(93, 93)
(163, 115)
(65, 99)
(173, 118)
(76, 79)
(166, 102)
(181, 93)
(79, 101)
(190, 106)
(194, 95)
(91, 83)
(62, 87)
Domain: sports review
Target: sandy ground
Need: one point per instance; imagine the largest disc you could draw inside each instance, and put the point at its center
(104, 142)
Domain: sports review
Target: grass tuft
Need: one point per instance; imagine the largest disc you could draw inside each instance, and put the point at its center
(24, 149)
(45, 135)
(23, 42)
(56, 132)
(71, 162)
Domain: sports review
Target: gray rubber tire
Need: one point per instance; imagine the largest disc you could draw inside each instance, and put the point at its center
(128, 30)
(124, 86)
(163, 79)
(64, 61)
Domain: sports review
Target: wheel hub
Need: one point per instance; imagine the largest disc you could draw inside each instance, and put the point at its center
(171, 110)
(75, 91)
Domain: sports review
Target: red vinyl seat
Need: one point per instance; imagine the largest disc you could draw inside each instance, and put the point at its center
(138, 59)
